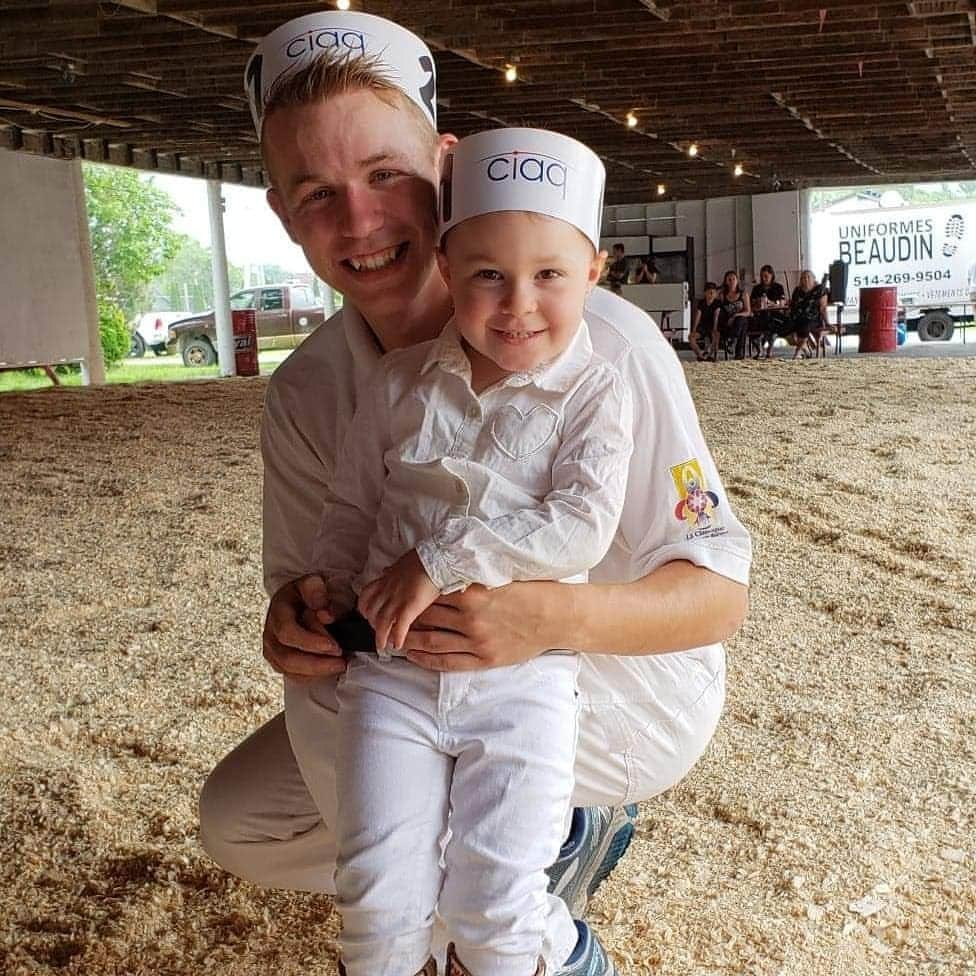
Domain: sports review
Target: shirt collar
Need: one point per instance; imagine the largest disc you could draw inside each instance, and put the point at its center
(558, 375)
(362, 342)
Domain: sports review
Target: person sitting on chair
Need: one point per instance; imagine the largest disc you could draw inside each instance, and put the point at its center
(732, 316)
(768, 300)
(646, 272)
(703, 323)
(808, 314)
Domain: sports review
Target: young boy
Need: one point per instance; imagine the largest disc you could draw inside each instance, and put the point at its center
(496, 452)
(703, 324)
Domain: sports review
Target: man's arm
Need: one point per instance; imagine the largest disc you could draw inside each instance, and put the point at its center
(296, 642)
(660, 613)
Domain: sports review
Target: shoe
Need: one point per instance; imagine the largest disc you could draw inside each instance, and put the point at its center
(597, 840)
(457, 968)
(589, 958)
(430, 968)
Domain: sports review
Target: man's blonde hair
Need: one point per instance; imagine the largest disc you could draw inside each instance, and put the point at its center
(327, 77)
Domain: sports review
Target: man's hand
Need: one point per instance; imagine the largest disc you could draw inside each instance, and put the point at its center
(482, 628)
(296, 643)
(392, 602)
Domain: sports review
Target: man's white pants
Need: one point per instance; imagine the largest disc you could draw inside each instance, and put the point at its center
(267, 810)
(488, 754)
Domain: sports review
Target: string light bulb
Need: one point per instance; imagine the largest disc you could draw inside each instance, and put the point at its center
(661, 189)
(511, 73)
(738, 169)
(631, 120)
(693, 149)
(342, 4)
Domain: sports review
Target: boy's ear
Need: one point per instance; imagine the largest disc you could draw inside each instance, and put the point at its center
(596, 268)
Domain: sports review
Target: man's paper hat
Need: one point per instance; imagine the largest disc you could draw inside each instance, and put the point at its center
(524, 169)
(401, 57)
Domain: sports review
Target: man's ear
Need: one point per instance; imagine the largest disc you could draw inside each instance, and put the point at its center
(445, 143)
(278, 206)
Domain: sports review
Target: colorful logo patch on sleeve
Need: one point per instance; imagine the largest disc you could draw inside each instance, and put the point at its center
(696, 504)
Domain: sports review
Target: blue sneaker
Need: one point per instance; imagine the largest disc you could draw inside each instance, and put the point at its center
(589, 958)
(597, 840)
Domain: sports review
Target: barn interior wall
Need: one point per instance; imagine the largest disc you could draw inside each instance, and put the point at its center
(740, 233)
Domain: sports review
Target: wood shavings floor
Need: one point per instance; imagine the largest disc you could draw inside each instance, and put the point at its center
(828, 830)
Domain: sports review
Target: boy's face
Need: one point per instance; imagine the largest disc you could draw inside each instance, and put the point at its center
(519, 282)
(710, 295)
(353, 182)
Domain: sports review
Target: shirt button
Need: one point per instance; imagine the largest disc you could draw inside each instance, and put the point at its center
(472, 412)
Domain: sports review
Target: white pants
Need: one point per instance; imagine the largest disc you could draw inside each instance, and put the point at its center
(487, 755)
(267, 810)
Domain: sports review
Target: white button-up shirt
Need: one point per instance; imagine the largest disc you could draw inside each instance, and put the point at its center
(523, 481)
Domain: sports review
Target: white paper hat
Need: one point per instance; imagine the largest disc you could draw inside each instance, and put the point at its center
(402, 57)
(524, 169)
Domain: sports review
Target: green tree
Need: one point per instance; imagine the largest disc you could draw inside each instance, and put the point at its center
(187, 282)
(132, 239)
(113, 332)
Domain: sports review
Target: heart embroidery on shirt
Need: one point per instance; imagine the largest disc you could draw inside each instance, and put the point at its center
(520, 435)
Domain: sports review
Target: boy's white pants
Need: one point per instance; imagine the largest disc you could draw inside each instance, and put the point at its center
(268, 808)
(488, 754)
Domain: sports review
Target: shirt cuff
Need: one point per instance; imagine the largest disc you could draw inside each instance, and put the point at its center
(435, 562)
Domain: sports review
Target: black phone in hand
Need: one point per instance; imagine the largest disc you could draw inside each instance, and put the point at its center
(353, 634)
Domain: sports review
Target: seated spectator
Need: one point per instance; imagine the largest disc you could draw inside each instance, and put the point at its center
(703, 324)
(808, 313)
(646, 272)
(618, 270)
(732, 316)
(769, 306)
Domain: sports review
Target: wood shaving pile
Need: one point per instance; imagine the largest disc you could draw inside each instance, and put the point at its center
(828, 830)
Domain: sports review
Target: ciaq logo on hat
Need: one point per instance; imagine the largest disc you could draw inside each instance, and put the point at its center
(550, 172)
(401, 57)
(530, 170)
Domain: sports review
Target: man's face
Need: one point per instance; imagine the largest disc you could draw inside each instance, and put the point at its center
(618, 251)
(353, 182)
(518, 282)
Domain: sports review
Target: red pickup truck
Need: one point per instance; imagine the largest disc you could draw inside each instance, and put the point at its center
(285, 315)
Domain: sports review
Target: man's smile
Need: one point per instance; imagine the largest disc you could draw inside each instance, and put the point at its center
(376, 260)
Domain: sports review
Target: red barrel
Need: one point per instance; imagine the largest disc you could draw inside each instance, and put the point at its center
(879, 320)
(245, 330)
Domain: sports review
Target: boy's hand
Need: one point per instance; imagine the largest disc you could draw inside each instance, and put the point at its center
(392, 602)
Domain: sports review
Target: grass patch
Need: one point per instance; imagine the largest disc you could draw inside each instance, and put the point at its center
(130, 371)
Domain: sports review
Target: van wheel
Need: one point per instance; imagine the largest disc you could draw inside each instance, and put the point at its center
(199, 352)
(935, 326)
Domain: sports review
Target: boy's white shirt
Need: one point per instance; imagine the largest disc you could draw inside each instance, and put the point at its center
(524, 481)
(311, 400)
